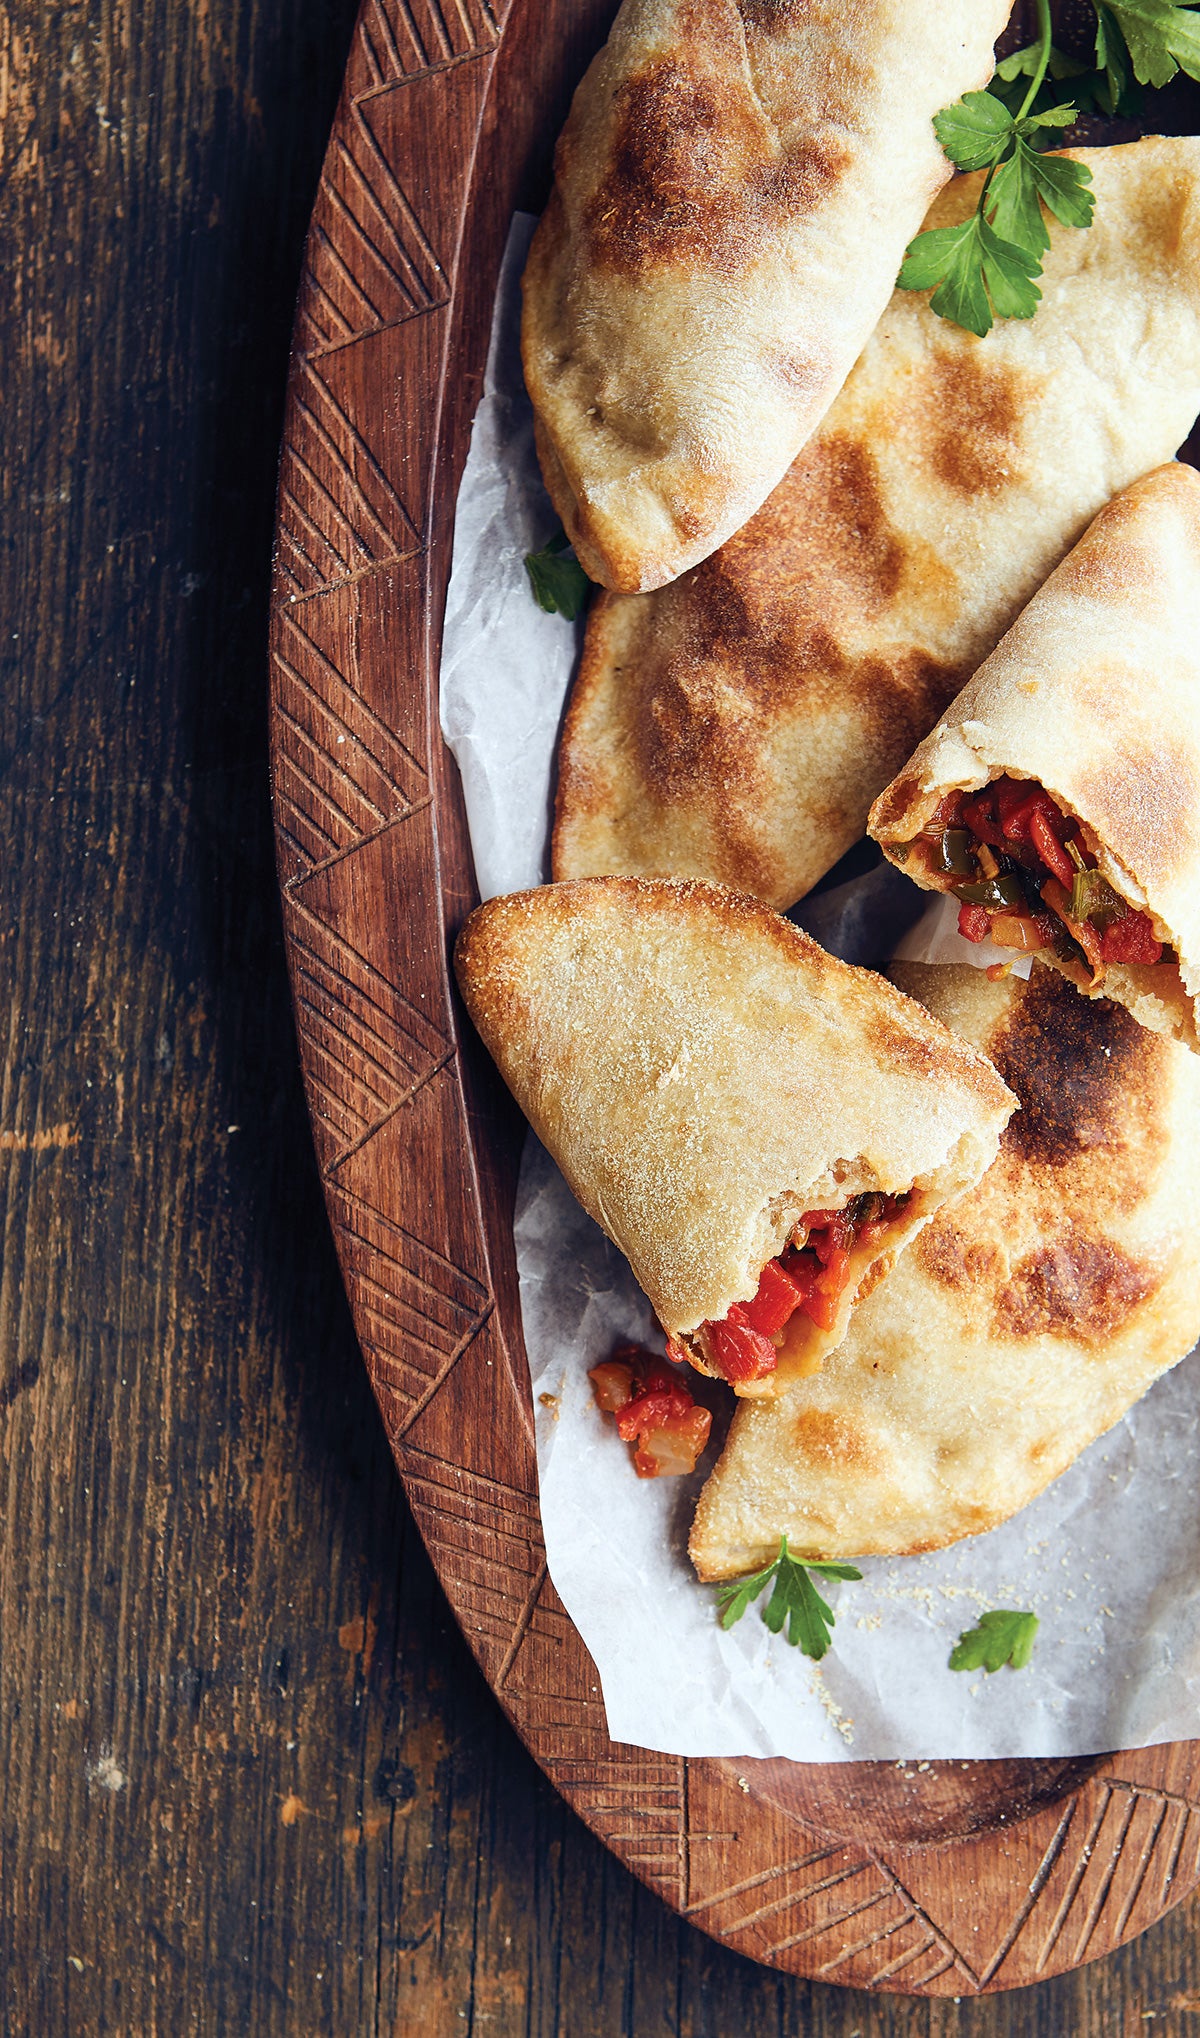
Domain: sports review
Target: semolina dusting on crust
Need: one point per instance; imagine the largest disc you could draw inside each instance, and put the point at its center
(1025, 1320)
(1095, 693)
(703, 1073)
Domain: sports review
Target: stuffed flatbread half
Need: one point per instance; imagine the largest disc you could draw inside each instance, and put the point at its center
(1059, 796)
(759, 1127)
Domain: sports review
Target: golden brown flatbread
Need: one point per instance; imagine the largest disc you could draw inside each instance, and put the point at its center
(1023, 1322)
(734, 190)
(737, 725)
(704, 1074)
(1094, 694)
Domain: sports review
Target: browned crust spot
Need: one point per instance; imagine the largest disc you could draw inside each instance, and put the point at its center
(826, 1438)
(1078, 1066)
(974, 413)
(695, 175)
(1074, 1286)
(953, 1257)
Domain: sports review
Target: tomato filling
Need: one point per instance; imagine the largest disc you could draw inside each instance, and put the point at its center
(654, 1410)
(808, 1277)
(1025, 876)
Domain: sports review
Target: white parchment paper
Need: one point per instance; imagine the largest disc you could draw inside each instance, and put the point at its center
(1107, 1557)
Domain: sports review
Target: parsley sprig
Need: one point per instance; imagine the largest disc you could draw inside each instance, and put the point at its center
(794, 1599)
(1004, 1636)
(560, 585)
(987, 266)
(1138, 42)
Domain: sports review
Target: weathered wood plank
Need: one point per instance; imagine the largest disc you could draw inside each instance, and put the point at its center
(250, 1778)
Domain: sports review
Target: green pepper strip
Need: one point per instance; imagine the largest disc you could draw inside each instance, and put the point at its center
(1005, 890)
(955, 856)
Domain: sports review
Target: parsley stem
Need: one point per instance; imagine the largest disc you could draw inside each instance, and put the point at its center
(1043, 63)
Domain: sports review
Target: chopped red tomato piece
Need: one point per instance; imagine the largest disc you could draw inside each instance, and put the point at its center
(645, 1411)
(1018, 801)
(979, 816)
(776, 1302)
(947, 813)
(974, 922)
(1049, 847)
(833, 1239)
(659, 1414)
(822, 1282)
(835, 1268)
(740, 1352)
(821, 1307)
(1131, 940)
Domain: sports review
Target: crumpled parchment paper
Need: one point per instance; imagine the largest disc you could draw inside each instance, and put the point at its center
(1107, 1557)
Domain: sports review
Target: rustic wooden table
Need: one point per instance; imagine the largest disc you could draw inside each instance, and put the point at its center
(251, 1782)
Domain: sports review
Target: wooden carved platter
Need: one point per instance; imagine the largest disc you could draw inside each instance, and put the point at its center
(948, 1880)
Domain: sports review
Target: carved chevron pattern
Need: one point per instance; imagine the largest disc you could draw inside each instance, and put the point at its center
(339, 511)
(1136, 1844)
(369, 260)
(635, 1800)
(343, 1003)
(1111, 1864)
(340, 773)
(838, 1904)
(398, 37)
(415, 1310)
(641, 1815)
(489, 1535)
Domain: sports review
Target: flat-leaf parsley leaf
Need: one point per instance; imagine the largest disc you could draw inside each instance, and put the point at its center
(794, 1600)
(986, 268)
(559, 583)
(1161, 36)
(1004, 1636)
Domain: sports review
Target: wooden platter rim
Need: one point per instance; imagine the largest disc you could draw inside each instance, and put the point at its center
(414, 199)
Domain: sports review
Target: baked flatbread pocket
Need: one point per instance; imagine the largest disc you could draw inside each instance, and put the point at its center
(726, 1099)
(734, 190)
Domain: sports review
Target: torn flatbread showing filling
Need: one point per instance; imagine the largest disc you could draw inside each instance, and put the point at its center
(1026, 876)
(801, 1297)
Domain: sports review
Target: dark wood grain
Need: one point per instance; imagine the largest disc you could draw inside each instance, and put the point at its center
(210, 1585)
(957, 1879)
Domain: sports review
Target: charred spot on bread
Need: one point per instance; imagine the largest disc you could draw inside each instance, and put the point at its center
(1074, 1286)
(1074, 1063)
(953, 1257)
(696, 174)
